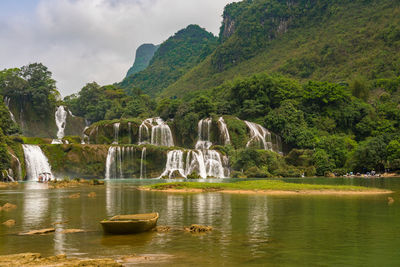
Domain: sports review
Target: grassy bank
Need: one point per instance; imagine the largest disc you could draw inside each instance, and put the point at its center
(262, 185)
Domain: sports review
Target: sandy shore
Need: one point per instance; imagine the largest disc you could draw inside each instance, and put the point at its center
(272, 192)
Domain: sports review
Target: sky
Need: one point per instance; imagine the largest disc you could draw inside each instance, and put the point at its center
(82, 41)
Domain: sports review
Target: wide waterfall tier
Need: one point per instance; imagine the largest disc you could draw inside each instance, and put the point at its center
(262, 138)
(156, 132)
(207, 163)
(36, 163)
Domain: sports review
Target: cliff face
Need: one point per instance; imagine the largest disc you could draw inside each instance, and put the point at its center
(143, 56)
(174, 58)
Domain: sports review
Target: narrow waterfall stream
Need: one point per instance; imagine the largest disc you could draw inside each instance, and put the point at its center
(7, 103)
(61, 122)
(36, 163)
(19, 166)
(143, 173)
(116, 133)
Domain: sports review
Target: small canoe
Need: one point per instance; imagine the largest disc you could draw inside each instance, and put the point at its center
(130, 224)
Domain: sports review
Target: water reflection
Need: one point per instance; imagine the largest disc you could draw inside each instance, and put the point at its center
(36, 204)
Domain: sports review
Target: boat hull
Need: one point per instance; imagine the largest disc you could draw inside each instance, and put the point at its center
(121, 227)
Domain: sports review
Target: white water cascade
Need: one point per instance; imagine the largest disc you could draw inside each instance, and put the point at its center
(7, 103)
(223, 128)
(36, 163)
(116, 133)
(204, 161)
(262, 138)
(119, 162)
(161, 134)
(61, 122)
(204, 128)
(143, 170)
(174, 164)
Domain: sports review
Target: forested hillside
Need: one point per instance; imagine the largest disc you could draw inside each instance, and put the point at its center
(335, 41)
(174, 58)
(143, 55)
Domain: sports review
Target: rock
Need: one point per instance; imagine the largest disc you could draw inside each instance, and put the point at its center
(39, 232)
(72, 231)
(9, 223)
(8, 207)
(77, 195)
(390, 200)
(35, 259)
(92, 194)
(161, 229)
(196, 228)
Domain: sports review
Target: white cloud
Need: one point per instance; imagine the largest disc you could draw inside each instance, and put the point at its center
(95, 40)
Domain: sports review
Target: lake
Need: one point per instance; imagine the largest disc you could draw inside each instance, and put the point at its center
(248, 230)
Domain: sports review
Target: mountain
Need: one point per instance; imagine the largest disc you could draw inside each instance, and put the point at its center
(144, 54)
(321, 40)
(174, 58)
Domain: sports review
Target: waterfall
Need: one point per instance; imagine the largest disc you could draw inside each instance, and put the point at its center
(36, 163)
(223, 128)
(19, 166)
(206, 163)
(259, 136)
(110, 163)
(120, 162)
(262, 138)
(161, 134)
(7, 103)
(174, 164)
(116, 132)
(61, 122)
(143, 174)
(204, 128)
(85, 137)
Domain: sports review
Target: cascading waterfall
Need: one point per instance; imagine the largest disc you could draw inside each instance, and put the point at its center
(204, 128)
(259, 136)
(61, 122)
(36, 163)
(161, 134)
(116, 133)
(7, 103)
(85, 137)
(262, 138)
(143, 174)
(119, 162)
(174, 164)
(223, 128)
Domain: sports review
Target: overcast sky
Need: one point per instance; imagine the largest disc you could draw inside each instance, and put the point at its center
(81, 41)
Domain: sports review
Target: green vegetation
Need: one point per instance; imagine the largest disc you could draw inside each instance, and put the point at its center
(258, 185)
(174, 58)
(144, 54)
(95, 103)
(334, 41)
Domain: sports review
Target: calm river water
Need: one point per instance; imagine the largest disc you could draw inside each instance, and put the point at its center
(248, 229)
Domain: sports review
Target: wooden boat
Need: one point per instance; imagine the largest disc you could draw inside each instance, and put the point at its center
(130, 224)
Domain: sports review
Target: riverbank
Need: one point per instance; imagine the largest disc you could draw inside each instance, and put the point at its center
(267, 187)
(36, 259)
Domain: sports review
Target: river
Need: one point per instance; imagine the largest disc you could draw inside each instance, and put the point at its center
(251, 230)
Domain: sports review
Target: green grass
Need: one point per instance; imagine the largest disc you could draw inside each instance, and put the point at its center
(258, 185)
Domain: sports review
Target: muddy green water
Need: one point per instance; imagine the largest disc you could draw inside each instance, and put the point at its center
(249, 229)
